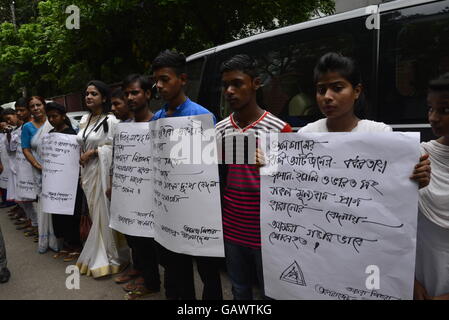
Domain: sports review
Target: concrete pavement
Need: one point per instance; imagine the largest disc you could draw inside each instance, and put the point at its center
(37, 276)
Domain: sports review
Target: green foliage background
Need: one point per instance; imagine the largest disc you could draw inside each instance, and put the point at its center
(118, 37)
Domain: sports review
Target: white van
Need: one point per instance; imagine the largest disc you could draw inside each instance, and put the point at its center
(400, 46)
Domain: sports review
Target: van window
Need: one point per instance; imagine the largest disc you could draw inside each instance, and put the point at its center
(194, 72)
(414, 50)
(286, 64)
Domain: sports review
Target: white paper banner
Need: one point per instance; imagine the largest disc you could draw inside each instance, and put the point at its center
(338, 216)
(25, 188)
(131, 206)
(187, 193)
(60, 172)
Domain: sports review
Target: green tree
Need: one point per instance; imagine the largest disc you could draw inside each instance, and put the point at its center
(122, 36)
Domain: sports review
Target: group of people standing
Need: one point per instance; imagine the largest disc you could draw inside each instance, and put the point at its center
(105, 252)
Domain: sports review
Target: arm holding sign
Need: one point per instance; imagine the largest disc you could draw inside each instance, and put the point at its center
(31, 159)
(421, 174)
(87, 156)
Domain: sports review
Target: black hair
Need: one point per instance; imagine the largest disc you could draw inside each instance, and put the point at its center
(241, 62)
(21, 102)
(440, 84)
(170, 59)
(41, 99)
(348, 69)
(118, 93)
(60, 109)
(145, 82)
(55, 106)
(103, 88)
(8, 111)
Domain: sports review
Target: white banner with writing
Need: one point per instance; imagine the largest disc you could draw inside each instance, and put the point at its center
(132, 182)
(25, 187)
(187, 188)
(60, 173)
(339, 215)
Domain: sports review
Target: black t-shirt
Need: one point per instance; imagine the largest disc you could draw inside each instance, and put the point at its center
(68, 130)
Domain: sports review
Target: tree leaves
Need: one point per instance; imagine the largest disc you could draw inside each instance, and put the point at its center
(118, 37)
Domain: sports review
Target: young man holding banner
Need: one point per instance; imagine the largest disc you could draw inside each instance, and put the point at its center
(170, 76)
(241, 182)
(137, 93)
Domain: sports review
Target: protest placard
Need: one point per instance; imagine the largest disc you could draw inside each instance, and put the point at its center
(132, 182)
(60, 172)
(338, 216)
(186, 186)
(25, 187)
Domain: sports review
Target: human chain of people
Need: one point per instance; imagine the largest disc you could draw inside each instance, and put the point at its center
(129, 190)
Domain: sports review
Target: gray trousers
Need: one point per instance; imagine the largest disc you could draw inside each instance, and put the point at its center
(2, 251)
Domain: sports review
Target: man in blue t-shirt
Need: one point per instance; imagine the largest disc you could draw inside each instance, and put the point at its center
(170, 76)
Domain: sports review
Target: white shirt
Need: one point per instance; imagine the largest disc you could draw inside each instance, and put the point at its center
(434, 200)
(362, 126)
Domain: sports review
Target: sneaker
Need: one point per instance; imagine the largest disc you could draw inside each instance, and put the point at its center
(4, 275)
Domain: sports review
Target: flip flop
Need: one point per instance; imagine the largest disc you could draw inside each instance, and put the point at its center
(127, 277)
(132, 286)
(72, 256)
(140, 292)
(30, 234)
(24, 226)
(60, 254)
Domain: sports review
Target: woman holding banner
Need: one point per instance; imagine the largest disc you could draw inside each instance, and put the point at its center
(21, 168)
(32, 134)
(105, 251)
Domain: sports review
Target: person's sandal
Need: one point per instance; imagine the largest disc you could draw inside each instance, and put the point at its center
(60, 254)
(20, 221)
(140, 292)
(72, 256)
(31, 233)
(127, 277)
(132, 286)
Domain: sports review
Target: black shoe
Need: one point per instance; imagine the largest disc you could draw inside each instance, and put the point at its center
(4, 275)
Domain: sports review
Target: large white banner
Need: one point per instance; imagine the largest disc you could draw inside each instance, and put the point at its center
(132, 183)
(187, 188)
(339, 215)
(60, 172)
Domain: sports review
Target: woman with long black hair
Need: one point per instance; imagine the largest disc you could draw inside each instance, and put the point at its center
(105, 251)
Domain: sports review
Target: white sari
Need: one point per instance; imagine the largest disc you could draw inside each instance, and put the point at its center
(105, 251)
(47, 238)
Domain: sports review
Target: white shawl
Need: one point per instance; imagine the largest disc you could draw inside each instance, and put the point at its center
(434, 200)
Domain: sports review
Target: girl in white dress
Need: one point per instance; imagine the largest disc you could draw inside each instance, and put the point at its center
(105, 251)
(432, 254)
(339, 95)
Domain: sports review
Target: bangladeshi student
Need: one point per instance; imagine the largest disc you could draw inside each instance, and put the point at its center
(66, 227)
(169, 72)
(241, 182)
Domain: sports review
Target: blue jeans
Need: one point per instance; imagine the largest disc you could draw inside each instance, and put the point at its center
(240, 262)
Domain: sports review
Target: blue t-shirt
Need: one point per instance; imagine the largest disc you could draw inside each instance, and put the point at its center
(188, 108)
(28, 132)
